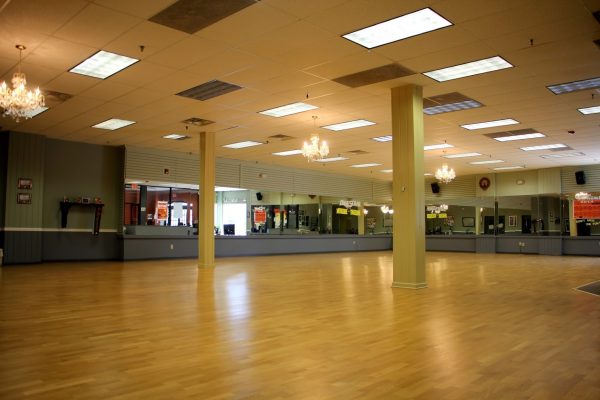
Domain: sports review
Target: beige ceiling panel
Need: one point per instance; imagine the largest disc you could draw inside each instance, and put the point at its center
(357, 62)
(142, 73)
(71, 83)
(46, 16)
(96, 26)
(153, 37)
(238, 98)
(139, 8)
(302, 9)
(107, 90)
(223, 64)
(448, 57)
(37, 75)
(11, 36)
(186, 52)
(309, 93)
(285, 82)
(139, 97)
(258, 72)
(247, 24)
(60, 54)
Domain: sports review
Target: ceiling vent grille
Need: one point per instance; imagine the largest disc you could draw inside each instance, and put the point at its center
(357, 152)
(280, 137)
(197, 121)
(510, 133)
(190, 16)
(374, 75)
(209, 90)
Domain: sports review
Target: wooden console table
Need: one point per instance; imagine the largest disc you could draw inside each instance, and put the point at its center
(65, 206)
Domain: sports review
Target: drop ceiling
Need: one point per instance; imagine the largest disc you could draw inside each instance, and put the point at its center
(285, 51)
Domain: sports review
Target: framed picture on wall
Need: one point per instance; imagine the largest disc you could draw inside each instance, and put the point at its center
(23, 198)
(468, 222)
(512, 220)
(25, 183)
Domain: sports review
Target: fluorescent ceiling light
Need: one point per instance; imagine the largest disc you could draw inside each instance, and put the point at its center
(103, 64)
(505, 168)
(462, 105)
(428, 174)
(574, 86)
(589, 110)
(562, 155)
(175, 136)
(288, 153)
(241, 145)
(490, 124)
(405, 26)
(520, 137)
(349, 125)
(544, 147)
(438, 146)
(113, 124)
(469, 69)
(486, 162)
(332, 159)
(365, 165)
(387, 171)
(35, 111)
(382, 138)
(289, 109)
(462, 155)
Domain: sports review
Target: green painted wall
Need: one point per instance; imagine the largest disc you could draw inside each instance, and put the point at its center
(74, 170)
(3, 172)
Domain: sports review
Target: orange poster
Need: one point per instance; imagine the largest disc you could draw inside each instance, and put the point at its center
(586, 209)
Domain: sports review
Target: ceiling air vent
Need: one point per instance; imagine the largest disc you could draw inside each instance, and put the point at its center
(197, 121)
(448, 102)
(209, 90)
(280, 137)
(56, 97)
(357, 152)
(374, 75)
(192, 15)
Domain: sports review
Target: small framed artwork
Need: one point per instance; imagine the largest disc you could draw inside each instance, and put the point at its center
(512, 220)
(23, 198)
(25, 183)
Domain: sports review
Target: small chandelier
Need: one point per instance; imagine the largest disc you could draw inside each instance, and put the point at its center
(315, 151)
(18, 102)
(444, 174)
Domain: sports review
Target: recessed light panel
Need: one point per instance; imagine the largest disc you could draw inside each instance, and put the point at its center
(365, 165)
(463, 105)
(387, 171)
(175, 136)
(524, 136)
(589, 110)
(332, 159)
(544, 147)
(382, 138)
(288, 153)
(405, 26)
(103, 64)
(507, 168)
(490, 124)
(34, 112)
(113, 124)
(462, 155)
(486, 162)
(349, 125)
(437, 146)
(241, 145)
(562, 155)
(428, 174)
(469, 69)
(575, 86)
(289, 109)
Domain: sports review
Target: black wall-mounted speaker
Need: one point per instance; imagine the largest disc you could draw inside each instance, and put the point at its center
(435, 187)
(580, 177)
(259, 196)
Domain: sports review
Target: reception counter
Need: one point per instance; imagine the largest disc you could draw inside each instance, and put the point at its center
(185, 245)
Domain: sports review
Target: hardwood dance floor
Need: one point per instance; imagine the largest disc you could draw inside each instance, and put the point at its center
(324, 326)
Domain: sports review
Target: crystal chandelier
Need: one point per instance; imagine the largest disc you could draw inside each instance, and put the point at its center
(314, 150)
(18, 102)
(444, 174)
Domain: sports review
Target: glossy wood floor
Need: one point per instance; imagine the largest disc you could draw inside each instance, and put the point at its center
(301, 327)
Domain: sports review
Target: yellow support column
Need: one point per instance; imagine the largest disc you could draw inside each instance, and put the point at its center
(206, 202)
(407, 191)
(361, 219)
